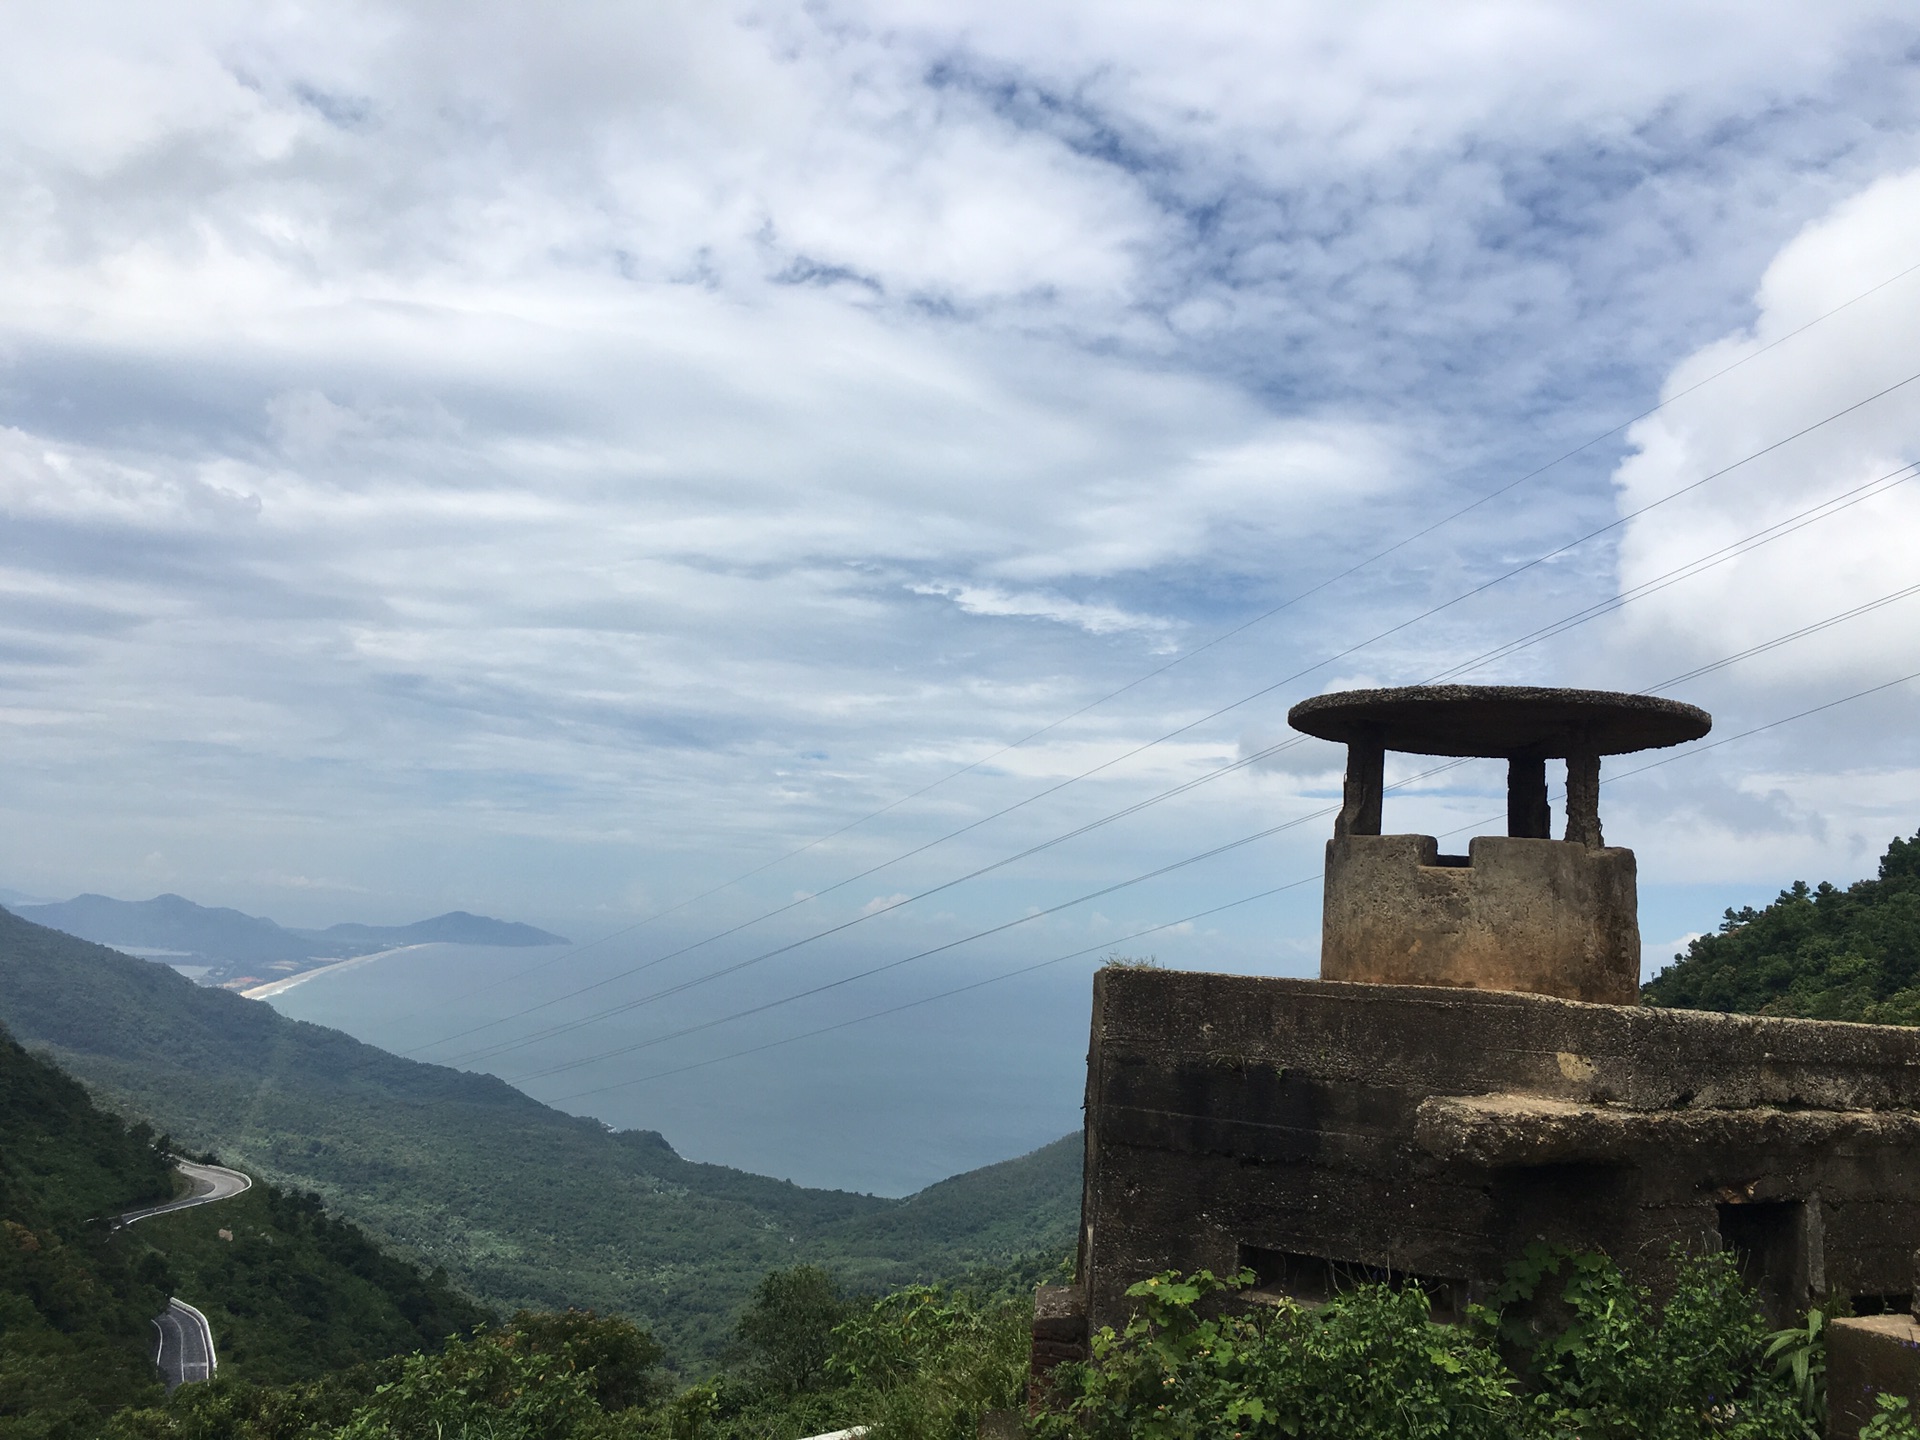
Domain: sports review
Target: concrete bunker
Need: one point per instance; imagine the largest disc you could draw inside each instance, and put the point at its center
(1472, 1071)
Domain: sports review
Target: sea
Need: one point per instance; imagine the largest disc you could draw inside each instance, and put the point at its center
(884, 1106)
(869, 1084)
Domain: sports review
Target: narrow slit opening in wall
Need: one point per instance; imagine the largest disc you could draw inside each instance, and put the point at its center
(1764, 1236)
(1882, 1304)
(1313, 1280)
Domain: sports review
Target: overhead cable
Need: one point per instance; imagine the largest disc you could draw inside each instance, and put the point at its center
(1766, 535)
(1202, 648)
(1109, 945)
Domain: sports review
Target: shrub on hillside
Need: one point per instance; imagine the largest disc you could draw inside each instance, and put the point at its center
(568, 1376)
(1372, 1365)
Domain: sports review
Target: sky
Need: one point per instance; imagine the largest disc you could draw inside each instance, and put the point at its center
(555, 462)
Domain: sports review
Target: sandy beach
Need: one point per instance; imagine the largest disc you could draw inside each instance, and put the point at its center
(277, 987)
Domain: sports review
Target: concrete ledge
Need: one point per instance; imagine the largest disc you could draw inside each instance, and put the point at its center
(1499, 1130)
(1473, 1042)
(1873, 1355)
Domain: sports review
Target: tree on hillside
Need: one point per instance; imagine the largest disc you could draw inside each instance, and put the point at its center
(1817, 951)
(786, 1331)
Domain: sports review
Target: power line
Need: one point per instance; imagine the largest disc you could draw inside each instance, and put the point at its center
(1018, 921)
(1170, 924)
(1028, 918)
(1779, 530)
(1107, 945)
(1195, 651)
(1780, 640)
(1776, 531)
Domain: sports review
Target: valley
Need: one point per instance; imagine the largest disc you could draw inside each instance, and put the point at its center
(520, 1204)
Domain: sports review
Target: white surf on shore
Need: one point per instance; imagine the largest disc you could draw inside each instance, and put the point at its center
(280, 987)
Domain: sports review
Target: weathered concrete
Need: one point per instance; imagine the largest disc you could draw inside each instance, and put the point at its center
(1427, 1135)
(1500, 720)
(1541, 916)
(1873, 1355)
(1523, 1130)
(1519, 912)
(1059, 1335)
(1472, 1074)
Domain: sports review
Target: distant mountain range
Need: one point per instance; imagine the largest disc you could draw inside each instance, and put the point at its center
(225, 942)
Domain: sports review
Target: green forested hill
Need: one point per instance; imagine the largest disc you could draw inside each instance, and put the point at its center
(291, 1294)
(522, 1204)
(75, 1307)
(1820, 952)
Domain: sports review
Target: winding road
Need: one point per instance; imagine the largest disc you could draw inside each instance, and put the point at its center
(186, 1345)
(185, 1353)
(210, 1183)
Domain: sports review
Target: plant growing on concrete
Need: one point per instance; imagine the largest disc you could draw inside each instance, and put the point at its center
(1372, 1365)
(1894, 1422)
(1368, 1364)
(1799, 1356)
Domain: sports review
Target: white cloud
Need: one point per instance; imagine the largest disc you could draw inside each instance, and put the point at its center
(521, 433)
(554, 460)
(1095, 619)
(1818, 797)
(1859, 554)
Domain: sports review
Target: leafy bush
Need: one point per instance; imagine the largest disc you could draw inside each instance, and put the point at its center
(1799, 1356)
(571, 1376)
(1567, 1349)
(923, 1363)
(1624, 1367)
(935, 1361)
(1369, 1364)
(1372, 1365)
(232, 1409)
(486, 1386)
(1892, 1422)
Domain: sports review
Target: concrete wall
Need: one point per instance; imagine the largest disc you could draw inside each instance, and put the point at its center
(1868, 1357)
(1547, 917)
(1410, 1131)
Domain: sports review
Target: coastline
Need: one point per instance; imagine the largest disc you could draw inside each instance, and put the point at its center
(279, 987)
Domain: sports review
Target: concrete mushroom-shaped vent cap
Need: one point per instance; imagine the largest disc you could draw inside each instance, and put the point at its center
(1500, 720)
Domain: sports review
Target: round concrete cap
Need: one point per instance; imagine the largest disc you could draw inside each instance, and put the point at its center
(1500, 720)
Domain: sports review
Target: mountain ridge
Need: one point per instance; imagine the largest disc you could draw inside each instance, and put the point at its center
(224, 942)
(1822, 952)
(456, 927)
(292, 1292)
(524, 1205)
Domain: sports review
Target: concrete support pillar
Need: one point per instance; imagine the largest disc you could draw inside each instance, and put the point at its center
(1528, 814)
(1059, 1337)
(1366, 780)
(1583, 800)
